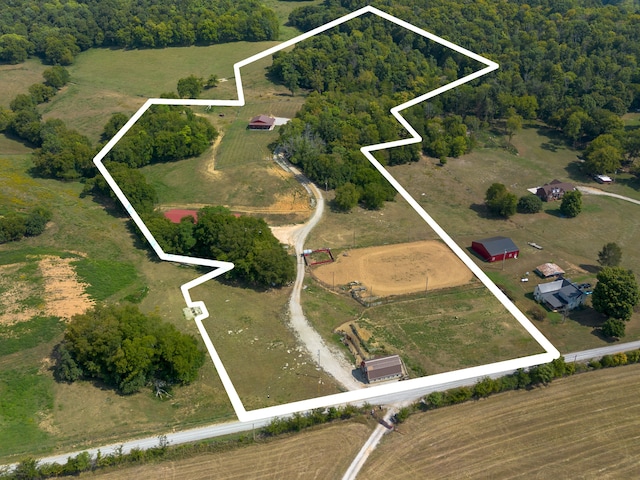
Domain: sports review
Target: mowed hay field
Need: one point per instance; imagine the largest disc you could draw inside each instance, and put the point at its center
(584, 427)
(397, 269)
(321, 453)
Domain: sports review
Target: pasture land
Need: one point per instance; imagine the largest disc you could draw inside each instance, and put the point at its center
(582, 426)
(82, 239)
(571, 243)
(397, 269)
(106, 81)
(441, 331)
(237, 171)
(321, 452)
(16, 79)
(261, 354)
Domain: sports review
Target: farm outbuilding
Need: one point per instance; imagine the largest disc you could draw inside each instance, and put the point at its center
(178, 214)
(495, 249)
(547, 270)
(382, 368)
(262, 122)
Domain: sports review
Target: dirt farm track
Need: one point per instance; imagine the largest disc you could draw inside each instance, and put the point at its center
(397, 269)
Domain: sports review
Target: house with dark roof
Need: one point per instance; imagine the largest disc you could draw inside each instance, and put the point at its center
(382, 368)
(554, 190)
(560, 294)
(262, 122)
(495, 249)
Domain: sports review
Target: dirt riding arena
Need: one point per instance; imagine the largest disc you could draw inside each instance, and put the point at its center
(397, 269)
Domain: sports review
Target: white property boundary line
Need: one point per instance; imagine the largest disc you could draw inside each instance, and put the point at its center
(220, 267)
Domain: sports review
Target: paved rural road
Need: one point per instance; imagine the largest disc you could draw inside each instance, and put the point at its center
(331, 360)
(597, 191)
(211, 431)
(585, 355)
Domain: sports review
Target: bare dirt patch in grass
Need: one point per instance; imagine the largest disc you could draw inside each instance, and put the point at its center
(554, 432)
(324, 452)
(209, 168)
(398, 269)
(64, 294)
(16, 289)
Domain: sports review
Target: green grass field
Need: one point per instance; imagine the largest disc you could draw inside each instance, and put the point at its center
(445, 330)
(81, 226)
(249, 327)
(260, 352)
(571, 243)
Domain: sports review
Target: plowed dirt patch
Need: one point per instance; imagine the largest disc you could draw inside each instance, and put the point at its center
(397, 269)
(64, 295)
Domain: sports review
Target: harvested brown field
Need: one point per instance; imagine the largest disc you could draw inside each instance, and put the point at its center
(397, 269)
(64, 295)
(585, 426)
(321, 453)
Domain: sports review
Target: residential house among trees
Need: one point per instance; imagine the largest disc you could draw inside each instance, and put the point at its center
(495, 249)
(560, 294)
(554, 190)
(262, 122)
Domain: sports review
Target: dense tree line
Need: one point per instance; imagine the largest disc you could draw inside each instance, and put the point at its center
(126, 350)
(572, 66)
(14, 225)
(58, 31)
(258, 256)
(164, 133)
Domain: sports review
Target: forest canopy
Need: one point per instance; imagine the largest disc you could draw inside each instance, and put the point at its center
(574, 67)
(58, 31)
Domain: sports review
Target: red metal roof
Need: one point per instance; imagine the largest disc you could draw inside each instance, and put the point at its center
(262, 120)
(178, 214)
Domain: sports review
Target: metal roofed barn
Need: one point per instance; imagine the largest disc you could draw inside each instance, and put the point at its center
(382, 368)
(495, 249)
(547, 270)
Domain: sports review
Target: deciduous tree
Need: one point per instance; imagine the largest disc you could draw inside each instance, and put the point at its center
(610, 255)
(614, 328)
(500, 201)
(571, 204)
(190, 87)
(616, 293)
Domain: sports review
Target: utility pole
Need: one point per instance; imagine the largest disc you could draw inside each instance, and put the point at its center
(426, 283)
(504, 257)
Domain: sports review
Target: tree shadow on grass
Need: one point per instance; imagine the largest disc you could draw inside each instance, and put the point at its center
(483, 212)
(575, 171)
(590, 268)
(587, 317)
(555, 212)
(597, 332)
